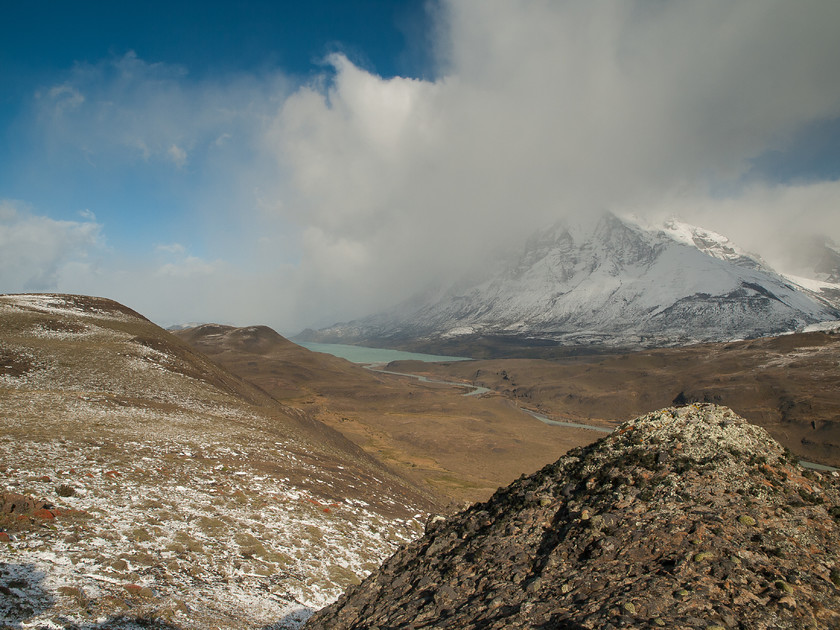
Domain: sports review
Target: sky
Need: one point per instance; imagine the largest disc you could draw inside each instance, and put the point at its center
(300, 164)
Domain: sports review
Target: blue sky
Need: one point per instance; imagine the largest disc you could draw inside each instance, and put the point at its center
(297, 164)
(47, 43)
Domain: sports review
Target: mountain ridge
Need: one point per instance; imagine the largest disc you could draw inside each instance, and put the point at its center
(609, 283)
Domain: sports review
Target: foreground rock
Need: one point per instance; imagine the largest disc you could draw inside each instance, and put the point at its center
(687, 517)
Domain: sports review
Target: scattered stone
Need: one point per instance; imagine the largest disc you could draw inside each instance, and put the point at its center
(783, 586)
(74, 593)
(119, 565)
(139, 591)
(788, 602)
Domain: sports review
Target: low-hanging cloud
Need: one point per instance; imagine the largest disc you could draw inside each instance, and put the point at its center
(347, 194)
(549, 109)
(36, 250)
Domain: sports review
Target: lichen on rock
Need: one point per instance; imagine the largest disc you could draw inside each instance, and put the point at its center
(685, 517)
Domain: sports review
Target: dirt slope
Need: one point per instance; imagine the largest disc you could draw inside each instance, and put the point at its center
(140, 480)
(461, 448)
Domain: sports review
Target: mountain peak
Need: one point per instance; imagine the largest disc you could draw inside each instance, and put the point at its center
(685, 517)
(711, 243)
(603, 282)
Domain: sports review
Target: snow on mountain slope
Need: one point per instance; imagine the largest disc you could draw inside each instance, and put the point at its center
(711, 243)
(823, 259)
(613, 282)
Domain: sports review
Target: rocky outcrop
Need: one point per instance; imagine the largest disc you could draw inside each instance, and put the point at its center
(687, 517)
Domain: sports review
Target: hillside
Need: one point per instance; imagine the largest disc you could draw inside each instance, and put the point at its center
(267, 359)
(786, 384)
(684, 518)
(608, 282)
(461, 448)
(141, 483)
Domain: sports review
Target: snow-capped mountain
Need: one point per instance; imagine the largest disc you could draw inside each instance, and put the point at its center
(820, 258)
(711, 243)
(611, 282)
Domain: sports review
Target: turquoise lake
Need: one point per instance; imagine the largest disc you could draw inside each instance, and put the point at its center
(359, 354)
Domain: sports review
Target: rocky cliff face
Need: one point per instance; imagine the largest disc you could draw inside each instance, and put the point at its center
(612, 283)
(687, 517)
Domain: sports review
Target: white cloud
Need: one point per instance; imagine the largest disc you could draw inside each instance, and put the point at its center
(191, 290)
(124, 108)
(344, 196)
(171, 248)
(35, 249)
(542, 110)
(177, 155)
(188, 267)
(774, 220)
(64, 97)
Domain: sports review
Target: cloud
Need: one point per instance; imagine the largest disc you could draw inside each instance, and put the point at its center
(124, 109)
(34, 250)
(543, 110)
(171, 248)
(177, 155)
(65, 97)
(190, 289)
(778, 221)
(188, 267)
(331, 200)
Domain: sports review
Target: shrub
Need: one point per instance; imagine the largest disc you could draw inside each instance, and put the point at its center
(65, 491)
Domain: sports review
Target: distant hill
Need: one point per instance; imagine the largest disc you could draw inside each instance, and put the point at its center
(606, 283)
(684, 518)
(143, 485)
(269, 360)
(459, 448)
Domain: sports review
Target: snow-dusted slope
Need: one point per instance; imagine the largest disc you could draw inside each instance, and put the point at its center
(141, 485)
(711, 243)
(614, 282)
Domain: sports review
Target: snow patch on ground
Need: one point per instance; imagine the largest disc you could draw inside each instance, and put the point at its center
(823, 327)
(193, 523)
